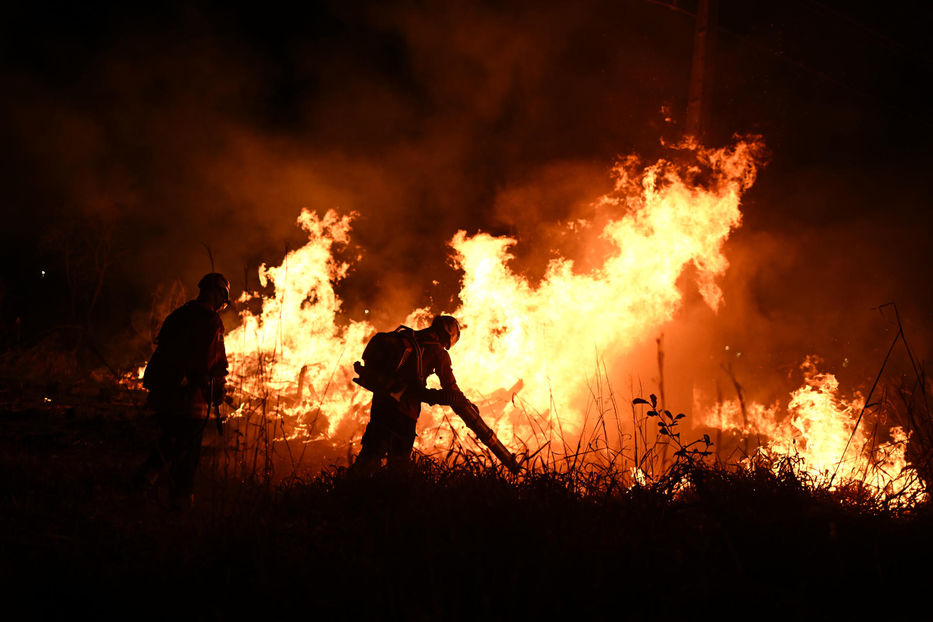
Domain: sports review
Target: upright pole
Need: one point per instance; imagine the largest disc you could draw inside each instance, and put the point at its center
(701, 71)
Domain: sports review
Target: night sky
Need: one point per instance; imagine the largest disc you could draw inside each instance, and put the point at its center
(133, 136)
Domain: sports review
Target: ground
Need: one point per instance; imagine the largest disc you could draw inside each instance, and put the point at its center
(438, 543)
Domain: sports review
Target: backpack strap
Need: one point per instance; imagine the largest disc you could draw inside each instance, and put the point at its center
(409, 336)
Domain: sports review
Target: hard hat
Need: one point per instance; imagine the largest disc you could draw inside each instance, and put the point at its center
(448, 328)
(218, 282)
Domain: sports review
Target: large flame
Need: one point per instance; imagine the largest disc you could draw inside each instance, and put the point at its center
(294, 352)
(546, 337)
(529, 350)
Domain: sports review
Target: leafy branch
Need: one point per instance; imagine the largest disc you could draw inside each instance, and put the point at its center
(668, 426)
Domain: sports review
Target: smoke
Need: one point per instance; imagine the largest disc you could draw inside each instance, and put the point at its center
(201, 128)
(213, 127)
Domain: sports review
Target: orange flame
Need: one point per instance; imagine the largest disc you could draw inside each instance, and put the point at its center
(293, 350)
(527, 348)
(545, 337)
(819, 427)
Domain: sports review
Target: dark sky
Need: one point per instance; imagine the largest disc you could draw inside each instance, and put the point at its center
(135, 135)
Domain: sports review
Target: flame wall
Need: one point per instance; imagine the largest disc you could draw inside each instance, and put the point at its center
(530, 350)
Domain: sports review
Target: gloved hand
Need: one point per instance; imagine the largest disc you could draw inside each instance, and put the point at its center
(432, 396)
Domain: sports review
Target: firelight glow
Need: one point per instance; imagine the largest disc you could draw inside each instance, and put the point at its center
(528, 349)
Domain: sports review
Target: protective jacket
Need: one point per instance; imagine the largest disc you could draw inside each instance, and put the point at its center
(396, 369)
(428, 357)
(189, 361)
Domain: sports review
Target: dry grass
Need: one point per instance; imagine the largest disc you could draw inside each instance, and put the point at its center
(597, 526)
(454, 538)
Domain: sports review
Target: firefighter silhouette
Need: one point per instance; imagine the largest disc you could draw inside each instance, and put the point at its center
(185, 378)
(396, 366)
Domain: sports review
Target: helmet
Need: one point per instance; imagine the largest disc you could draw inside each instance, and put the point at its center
(217, 282)
(447, 328)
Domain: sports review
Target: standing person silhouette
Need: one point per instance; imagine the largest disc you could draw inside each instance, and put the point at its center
(185, 378)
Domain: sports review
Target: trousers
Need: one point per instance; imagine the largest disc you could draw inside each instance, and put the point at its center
(177, 452)
(389, 433)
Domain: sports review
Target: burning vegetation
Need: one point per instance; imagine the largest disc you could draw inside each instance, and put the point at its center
(541, 358)
(681, 349)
